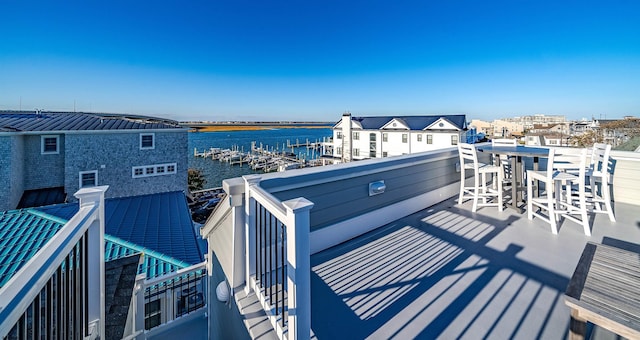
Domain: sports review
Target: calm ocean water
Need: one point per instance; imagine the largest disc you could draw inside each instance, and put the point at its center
(215, 171)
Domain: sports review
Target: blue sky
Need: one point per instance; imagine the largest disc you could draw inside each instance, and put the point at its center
(312, 60)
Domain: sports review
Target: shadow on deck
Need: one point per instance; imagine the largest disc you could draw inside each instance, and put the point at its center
(446, 272)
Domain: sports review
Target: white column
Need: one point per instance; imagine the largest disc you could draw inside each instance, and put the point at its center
(235, 189)
(138, 303)
(249, 229)
(95, 253)
(298, 268)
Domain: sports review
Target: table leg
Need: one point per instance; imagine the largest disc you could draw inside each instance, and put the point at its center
(536, 189)
(577, 326)
(515, 190)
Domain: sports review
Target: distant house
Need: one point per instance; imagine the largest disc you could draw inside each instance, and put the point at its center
(356, 138)
(47, 156)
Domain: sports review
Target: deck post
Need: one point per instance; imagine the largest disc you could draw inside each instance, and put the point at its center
(249, 229)
(95, 257)
(298, 268)
(235, 187)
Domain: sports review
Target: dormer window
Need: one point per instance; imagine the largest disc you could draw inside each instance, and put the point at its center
(147, 141)
(50, 144)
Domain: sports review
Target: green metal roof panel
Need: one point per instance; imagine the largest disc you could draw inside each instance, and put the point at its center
(22, 234)
(155, 264)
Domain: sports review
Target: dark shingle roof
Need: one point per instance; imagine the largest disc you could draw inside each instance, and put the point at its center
(19, 121)
(120, 279)
(40, 197)
(414, 122)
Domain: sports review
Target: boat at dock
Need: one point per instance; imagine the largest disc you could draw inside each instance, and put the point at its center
(261, 158)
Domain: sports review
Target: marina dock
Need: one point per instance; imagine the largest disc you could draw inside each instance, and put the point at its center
(265, 158)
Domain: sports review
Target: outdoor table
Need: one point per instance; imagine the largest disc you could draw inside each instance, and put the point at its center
(517, 165)
(605, 290)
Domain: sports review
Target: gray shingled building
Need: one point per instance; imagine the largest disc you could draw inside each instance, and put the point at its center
(47, 156)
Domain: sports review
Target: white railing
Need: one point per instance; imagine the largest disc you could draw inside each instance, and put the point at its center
(79, 241)
(167, 298)
(277, 246)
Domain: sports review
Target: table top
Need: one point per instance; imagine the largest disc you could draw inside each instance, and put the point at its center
(607, 282)
(516, 150)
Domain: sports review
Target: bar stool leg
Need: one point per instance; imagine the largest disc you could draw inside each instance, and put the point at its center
(607, 199)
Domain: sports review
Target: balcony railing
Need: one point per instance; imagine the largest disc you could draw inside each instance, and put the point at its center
(263, 239)
(175, 295)
(57, 293)
(278, 259)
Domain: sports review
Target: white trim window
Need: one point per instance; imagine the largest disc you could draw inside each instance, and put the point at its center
(454, 139)
(88, 179)
(429, 139)
(356, 152)
(356, 136)
(405, 137)
(153, 170)
(49, 144)
(147, 141)
(419, 138)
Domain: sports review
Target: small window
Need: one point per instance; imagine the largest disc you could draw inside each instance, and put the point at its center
(147, 141)
(356, 152)
(153, 170)
(339, 135)
(152, 314)
(338, 151)
(384, 154)
(429, 139)
(385, 137)
(419, 138)
(454, 139)
(88, 179)
(356, 136)
(404, 137)
(49, 145)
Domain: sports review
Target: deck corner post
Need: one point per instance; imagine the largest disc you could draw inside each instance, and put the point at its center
(298, 267)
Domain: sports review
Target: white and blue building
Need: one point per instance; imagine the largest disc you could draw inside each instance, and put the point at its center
(357, 138)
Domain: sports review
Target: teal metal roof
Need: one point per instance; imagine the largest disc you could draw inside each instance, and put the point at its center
(22, 234)
(160, 222)
(155, 264)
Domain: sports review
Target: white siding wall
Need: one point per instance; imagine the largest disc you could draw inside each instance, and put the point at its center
(394, 146)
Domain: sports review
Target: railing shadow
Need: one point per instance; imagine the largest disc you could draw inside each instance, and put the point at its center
(433, 274)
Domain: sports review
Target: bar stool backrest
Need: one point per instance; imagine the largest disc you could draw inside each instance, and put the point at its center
(468, 156)
(600, 157)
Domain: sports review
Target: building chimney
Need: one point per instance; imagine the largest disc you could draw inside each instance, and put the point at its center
(346, 137)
